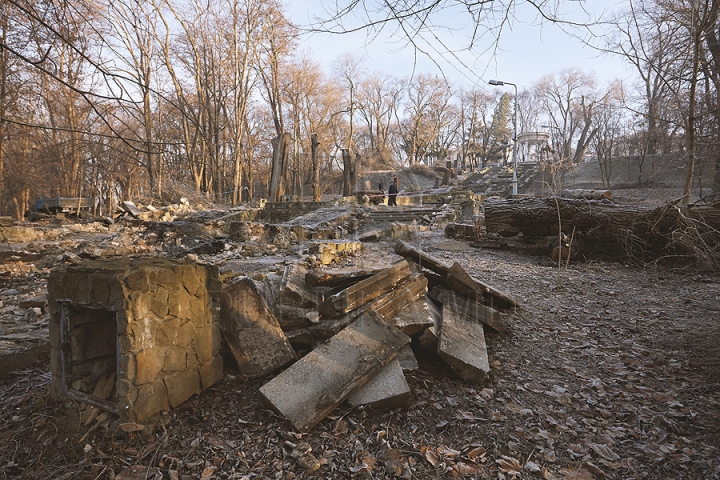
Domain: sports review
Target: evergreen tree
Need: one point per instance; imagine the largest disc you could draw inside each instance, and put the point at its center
(501, 129)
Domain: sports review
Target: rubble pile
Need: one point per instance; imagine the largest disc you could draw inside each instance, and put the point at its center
(352, 329)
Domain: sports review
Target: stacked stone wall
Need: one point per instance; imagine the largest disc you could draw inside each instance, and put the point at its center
(167, 327)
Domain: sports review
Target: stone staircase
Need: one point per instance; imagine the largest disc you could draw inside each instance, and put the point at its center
(401, 213)
(497, 181)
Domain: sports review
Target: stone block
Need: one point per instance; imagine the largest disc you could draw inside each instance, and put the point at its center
(340, 277)
(206, 343)
(181, 386)
(151, 399)
(185, 334)
(148, 364)
(175, 359)
(313, 386)
(462, 345)
(251, 330)
(166, 332)
(211, 372)
(386, 389)
(179, 304)
(371, 236)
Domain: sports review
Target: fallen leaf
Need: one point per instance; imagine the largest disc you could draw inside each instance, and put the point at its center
(207, 473)
(592, 468)
(432, 457)
(509, 465)
(476, 452)
(131, 427)
(579, 474)
(532, 467)
(605, 452)
(465, 416)
(392, 460)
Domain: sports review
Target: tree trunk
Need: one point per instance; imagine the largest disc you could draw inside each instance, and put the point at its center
(349, 172)
(279, 166)
(601, 228)
(316, 167)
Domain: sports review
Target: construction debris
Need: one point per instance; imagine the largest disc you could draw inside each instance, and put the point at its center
(251, 330)
(462, 345)
(366, 324)
(317, 383)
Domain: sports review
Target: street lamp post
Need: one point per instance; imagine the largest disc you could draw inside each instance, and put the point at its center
(500, 83)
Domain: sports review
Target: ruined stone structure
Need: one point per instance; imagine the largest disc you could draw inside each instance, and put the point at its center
(150, 323)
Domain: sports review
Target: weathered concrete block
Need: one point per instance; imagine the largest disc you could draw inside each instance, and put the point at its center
(414, 318)
(407, 359)
(386, 389)
(365, 291)
(312, 387)
(429, 338)
(294, 291)
(340, 277)
(251, 330)
(462, 345)
(328, 252)
(469, 307)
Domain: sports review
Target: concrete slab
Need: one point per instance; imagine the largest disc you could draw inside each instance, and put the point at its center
(407, 359)
(312, 387)
(340, 277)
(462, 345)
(365, 291)
(413, 319)
(469, 307)
(293, 290)
(251, 330)
(386, 389)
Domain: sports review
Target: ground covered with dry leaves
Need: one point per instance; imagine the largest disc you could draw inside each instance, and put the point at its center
(607, 371)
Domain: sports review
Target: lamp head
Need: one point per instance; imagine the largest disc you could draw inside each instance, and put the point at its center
(496, 82)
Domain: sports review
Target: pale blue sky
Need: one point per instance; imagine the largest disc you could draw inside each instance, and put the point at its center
(528, 50)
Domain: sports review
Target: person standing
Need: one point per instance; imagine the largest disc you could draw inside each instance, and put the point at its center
(381, 187)
(393, 191)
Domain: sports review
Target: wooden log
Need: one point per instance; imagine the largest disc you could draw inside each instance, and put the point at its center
(278, 175)
(103, 390)
(587, 194)
(542, 217)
